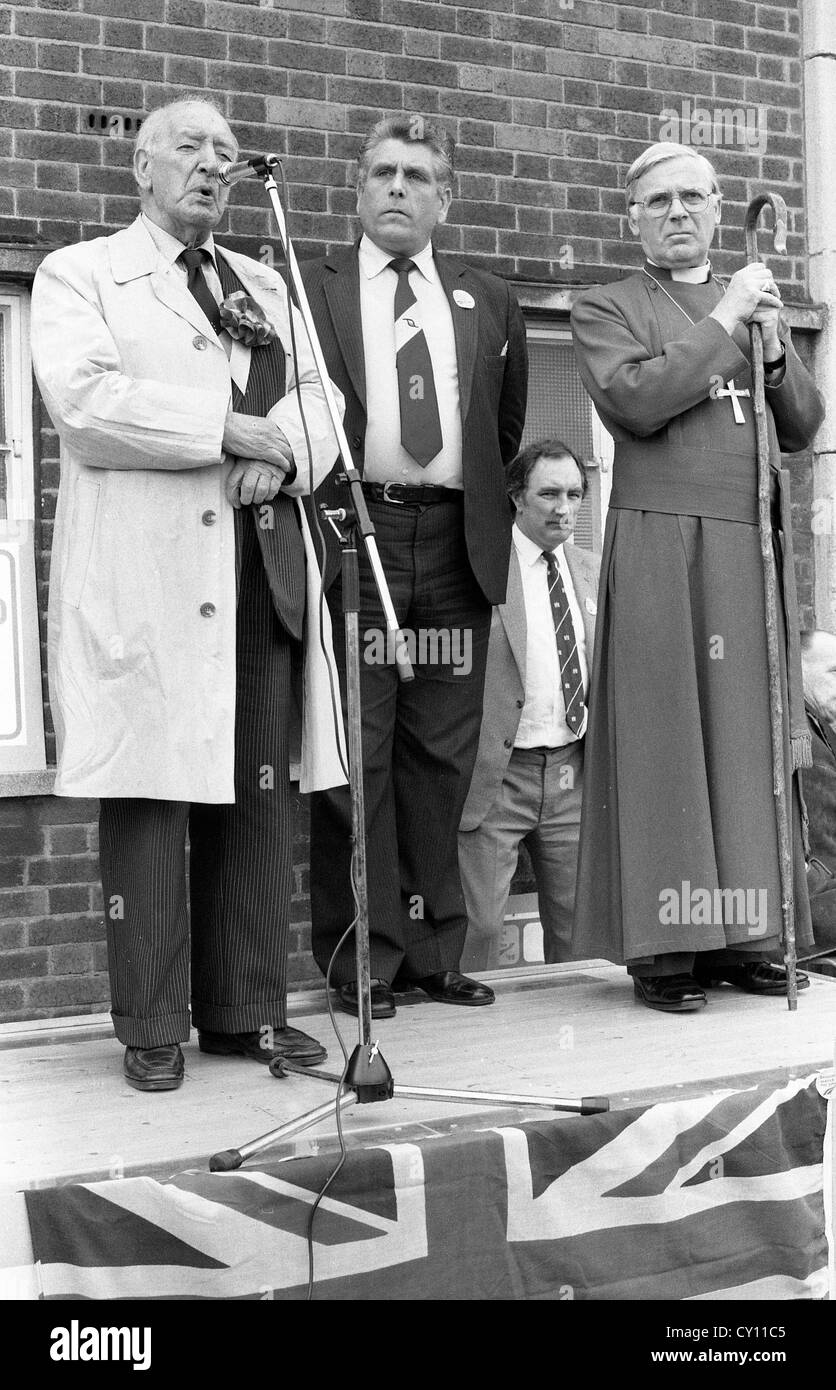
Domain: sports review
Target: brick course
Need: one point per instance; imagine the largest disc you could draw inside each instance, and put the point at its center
(548, 101)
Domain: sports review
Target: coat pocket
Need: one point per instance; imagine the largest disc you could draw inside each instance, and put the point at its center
(79, 542)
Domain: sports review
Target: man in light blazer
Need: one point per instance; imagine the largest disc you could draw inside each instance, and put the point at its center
(527, 782)
(431, 356)
(184, 598)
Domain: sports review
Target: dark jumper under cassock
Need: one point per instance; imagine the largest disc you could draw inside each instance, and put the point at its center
(678, 782)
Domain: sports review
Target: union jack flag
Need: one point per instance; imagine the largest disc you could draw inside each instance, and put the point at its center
(717, 1197)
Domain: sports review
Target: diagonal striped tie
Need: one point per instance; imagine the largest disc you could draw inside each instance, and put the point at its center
(571, 678)
(420, 423)
(192, 258)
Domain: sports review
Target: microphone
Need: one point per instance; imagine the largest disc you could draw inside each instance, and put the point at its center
(247, 168)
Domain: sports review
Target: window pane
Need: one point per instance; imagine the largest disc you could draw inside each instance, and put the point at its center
(21, 707)
(559, 407)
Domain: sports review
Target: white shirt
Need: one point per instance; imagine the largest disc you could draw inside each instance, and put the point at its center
(285, 414)
(170, 250)
(543, 718)
(385, 458)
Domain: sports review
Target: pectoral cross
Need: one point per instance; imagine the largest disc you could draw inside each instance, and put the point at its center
(732, 391)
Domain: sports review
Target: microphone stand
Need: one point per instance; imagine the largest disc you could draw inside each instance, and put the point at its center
(367, 1077)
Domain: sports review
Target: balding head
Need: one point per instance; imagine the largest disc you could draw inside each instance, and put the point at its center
(818, 667)
(179, 150)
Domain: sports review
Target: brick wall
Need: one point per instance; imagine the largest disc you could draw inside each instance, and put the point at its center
(547, 103)
(549, 100)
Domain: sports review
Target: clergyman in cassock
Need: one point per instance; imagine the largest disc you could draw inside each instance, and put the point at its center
(678, 871)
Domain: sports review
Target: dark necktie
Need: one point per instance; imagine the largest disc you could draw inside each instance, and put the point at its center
(275, 524)
(420, 423)
(571, 678)
(192, 258)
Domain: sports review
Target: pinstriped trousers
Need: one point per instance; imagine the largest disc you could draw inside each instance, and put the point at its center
(235, 953)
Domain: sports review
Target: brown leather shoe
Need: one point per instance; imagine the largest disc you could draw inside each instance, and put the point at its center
(671, 994)
(291, 1044)
(154, 1068)
(449, 987)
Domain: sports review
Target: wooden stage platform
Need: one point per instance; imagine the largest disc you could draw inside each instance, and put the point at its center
(571, 1030)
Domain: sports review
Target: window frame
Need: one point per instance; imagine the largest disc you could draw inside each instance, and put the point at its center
(23, 766)
(603, 444)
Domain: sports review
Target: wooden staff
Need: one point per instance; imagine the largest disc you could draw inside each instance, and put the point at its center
(776, 709)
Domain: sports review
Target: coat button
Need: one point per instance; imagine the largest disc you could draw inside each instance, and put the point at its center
(200, 342)
(509, 743)
(520, 704)
(209, 518)
(356, 441)
(208, 610)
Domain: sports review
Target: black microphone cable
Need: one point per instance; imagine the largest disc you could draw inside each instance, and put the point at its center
(343, 1152)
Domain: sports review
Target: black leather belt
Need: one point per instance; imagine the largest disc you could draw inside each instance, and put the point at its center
(542, 750)
(402, 495)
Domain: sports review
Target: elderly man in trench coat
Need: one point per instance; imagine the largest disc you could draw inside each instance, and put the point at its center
(183, 592)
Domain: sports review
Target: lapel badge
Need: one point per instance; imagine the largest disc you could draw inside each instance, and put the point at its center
(464, 299)
(590, 605)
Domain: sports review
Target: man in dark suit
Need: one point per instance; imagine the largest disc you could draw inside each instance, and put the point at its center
(431, 357)
(818, 670)
(527, 782)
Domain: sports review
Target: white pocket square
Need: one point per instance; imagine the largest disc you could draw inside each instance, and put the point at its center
(504, 352)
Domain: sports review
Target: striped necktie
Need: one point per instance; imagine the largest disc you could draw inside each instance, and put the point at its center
(420, 423)
(571, 678)
(192, 258)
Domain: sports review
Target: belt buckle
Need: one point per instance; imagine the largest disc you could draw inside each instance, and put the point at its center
(387, 495)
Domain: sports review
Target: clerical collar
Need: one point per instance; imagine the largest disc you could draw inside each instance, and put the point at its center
(692, 275)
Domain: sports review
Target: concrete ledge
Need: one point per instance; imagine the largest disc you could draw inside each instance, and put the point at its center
(38, 1032)
(28, 783)
(556, 299)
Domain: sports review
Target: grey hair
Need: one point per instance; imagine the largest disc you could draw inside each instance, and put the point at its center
(149, 133)
(655, 154)
(407, 127)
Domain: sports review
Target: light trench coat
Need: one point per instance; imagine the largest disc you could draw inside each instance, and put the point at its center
(141, 629)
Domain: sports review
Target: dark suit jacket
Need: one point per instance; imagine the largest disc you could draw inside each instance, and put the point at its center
(505, 678)
(492, 388)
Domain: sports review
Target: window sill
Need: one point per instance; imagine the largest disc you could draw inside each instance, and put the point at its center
(27, 783)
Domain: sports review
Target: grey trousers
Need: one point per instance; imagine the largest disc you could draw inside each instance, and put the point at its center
(539, 804)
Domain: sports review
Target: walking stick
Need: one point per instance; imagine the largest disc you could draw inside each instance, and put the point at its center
(779, 783)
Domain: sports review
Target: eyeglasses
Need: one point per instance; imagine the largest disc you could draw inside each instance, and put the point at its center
(659, 204)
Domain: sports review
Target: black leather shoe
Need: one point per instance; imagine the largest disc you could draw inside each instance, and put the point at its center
(291, 1044)
(449, 987)
(822, 965)
(383, 999)
(755, 976)
(154, 1068)
(672, 994)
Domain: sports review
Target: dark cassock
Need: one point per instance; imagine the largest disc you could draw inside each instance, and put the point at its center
(678, 800)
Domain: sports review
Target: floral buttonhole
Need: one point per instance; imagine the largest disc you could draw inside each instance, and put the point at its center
(244, 319)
